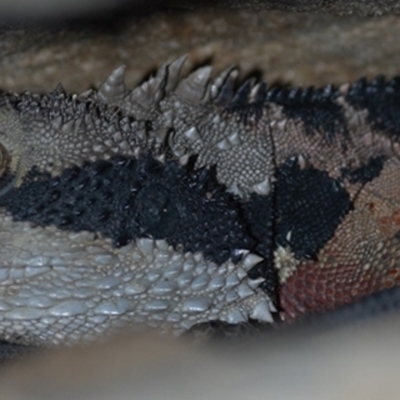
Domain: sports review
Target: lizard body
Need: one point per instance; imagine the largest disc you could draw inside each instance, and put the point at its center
(185, 201)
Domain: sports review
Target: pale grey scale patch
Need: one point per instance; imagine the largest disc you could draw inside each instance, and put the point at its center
(55, 292)
(196, 132)
(81, 300)
(5, 306)
(231, 296)
(117, 307)
(164, 288)
(196, 305)
(40, 302)
(186, 108)
(68, 308)
(81, 133)
(3, 274)
(24, 313)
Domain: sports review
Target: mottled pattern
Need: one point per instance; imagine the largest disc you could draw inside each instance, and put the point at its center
(311, 176)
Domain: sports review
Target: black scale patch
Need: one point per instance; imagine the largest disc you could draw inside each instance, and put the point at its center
(315, 107)
(381, 98)
(366, 172)
(310, 205)
(125, 198)
(260, 216)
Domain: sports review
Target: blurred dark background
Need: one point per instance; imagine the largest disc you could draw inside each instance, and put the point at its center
(79, 42)
(41, 10)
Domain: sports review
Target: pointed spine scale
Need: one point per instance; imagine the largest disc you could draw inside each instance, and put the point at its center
(57, 122)
(192, 134)
(178, 152)
(227, 89)
(234, 138)
(244, 290)
(194, 88)
(262, 312)
(152, 91)
(263, 188)
(251, 260)
(174, 73)
(236, 317)
(219, 81)
(224, 144)
(258, 93)
(238, 254)
(184, 159)
(255, 283)
(160, 135)
(68, 127)
(58, 90)
(242, 95)
(114, 85)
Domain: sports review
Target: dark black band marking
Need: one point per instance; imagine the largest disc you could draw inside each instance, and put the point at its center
(310, 205)
(125, 198)
(315, 107)
(381, 98)
(259, 214)
(366, 172)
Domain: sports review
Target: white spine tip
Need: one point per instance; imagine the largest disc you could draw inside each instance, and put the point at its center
(263, 188)
(235, 317)
(262, 312)
(251, 260)
(184, 159)
(224, 144)
(192, 134)
(255, 283)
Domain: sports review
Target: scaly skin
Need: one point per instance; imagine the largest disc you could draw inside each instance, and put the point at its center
(312, 182)
(331, 130)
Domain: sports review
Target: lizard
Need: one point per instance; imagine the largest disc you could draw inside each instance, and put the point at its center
(190, 200)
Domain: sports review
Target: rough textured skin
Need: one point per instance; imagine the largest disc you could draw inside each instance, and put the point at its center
(51, 133)
(319, 166)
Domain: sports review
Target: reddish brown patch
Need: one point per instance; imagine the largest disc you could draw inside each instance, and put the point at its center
(393, 272)
(390, 223)
(313, 289)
